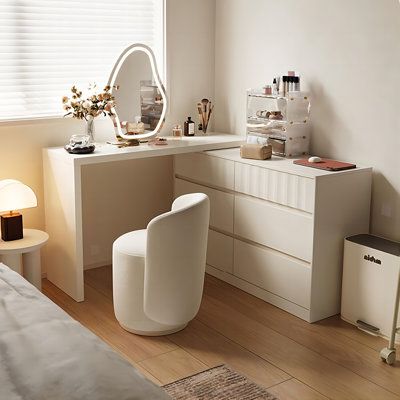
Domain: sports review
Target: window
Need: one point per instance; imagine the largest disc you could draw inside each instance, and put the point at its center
(46, 46)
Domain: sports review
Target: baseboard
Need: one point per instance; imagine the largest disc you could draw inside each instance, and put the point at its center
(97, 264)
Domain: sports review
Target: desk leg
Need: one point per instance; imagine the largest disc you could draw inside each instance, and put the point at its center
(32, 268)
(14, 261)
(63, 255)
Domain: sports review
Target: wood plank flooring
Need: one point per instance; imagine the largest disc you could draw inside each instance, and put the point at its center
(291, 358)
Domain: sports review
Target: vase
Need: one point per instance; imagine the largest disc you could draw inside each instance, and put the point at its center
(90, 127)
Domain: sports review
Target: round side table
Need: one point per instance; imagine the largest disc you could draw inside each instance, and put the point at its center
(23, 255)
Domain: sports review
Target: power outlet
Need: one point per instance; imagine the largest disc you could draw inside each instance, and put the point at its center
(386, 210)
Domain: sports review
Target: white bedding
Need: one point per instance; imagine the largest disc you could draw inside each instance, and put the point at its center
(45, 354)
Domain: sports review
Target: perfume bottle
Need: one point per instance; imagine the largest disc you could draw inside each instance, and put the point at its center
(177, 131)
(188, 127)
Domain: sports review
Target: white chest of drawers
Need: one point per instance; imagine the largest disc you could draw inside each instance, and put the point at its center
(277, 229)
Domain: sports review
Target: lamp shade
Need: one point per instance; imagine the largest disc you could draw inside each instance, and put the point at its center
(14, 195)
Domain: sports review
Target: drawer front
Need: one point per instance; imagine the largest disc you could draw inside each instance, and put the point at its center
(221, 203)
(220, 251)
(206, 169)
(288, 231)
(278, 187)
(273, 271)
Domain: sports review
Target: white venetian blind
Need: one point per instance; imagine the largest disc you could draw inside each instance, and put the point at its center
(46, 46)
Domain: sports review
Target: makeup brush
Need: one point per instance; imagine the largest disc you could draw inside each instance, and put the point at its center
(205, 104)
(200, 112)
(209, 111)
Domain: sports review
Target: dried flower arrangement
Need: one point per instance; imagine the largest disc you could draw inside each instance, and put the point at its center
(90, 107)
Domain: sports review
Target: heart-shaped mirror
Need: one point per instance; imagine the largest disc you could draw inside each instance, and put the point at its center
(140, 99)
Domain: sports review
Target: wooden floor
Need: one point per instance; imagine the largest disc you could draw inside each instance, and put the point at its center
(293, 359)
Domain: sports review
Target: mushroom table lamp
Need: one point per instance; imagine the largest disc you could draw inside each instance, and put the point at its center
(14, 195)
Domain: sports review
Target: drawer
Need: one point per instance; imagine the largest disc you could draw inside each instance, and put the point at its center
(278, 187)
(279, 274)
(205, 169)
(221, 203)
(220, 251)
(280, 228)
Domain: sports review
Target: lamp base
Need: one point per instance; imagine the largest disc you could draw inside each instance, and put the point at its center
(11, 227)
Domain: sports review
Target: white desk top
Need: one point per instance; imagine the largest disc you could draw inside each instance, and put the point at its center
(281, 164)
(107, 152)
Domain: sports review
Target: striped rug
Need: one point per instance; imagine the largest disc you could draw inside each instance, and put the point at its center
(218, 383)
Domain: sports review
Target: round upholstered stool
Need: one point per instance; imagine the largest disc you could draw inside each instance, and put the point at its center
(129, 255)
(158, 273)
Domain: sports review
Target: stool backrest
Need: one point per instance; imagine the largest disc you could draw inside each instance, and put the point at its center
(176, 259)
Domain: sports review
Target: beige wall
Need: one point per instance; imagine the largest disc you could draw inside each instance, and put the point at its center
(190, 71)
(348, 52)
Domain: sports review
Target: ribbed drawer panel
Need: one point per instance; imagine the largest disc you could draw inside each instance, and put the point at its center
(221, 203)
(279, 187)
(274, 226)
(277, 273)
(205, 169)
(220, 251)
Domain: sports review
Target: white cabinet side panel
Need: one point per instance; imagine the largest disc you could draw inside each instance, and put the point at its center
(63, 256)
(342, 208)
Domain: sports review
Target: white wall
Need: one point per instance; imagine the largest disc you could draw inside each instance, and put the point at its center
(190, 73)
(348, 52)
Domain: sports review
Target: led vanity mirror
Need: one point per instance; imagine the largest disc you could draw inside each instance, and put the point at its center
(140, 100)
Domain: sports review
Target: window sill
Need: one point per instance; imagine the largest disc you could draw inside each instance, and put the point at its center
(30, 120)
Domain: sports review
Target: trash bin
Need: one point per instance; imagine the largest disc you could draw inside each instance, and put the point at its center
(370, 287)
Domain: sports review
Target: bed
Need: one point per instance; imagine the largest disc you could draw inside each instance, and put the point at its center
(45, 354)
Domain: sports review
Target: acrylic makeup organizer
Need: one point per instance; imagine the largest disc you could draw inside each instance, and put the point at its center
(289, 136)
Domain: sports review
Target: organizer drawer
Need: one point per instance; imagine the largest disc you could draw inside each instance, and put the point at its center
(206, 169)
(279, 187)
(221, 203)
(280, 228)
(279, 274)
(220, 251)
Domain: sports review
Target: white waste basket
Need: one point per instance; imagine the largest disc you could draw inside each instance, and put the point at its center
(370, 288)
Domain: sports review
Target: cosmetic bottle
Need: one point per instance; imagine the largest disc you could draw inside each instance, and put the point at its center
(274, 88)
(188, 127)
(267, 90)
(291, 83)
(285, 85)
(281, 87)
(297, 83)
(177, 131)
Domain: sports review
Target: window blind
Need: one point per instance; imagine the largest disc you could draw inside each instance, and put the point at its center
(46, 46)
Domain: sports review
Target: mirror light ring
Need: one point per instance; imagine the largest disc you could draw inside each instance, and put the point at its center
(111, 82)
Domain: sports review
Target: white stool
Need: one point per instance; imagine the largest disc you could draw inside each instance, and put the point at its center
(158, 272)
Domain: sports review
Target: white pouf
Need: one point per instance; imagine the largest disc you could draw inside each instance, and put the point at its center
(158, 272)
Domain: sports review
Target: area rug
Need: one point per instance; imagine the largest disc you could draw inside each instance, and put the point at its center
(218, 383)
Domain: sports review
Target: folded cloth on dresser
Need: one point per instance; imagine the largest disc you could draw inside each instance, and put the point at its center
(45, 354)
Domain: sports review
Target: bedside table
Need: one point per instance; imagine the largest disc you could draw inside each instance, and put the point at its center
(23, 255)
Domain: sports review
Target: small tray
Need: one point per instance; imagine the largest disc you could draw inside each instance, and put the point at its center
(326, 164)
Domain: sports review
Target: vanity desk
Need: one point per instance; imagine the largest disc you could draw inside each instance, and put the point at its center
(64, 193)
